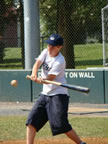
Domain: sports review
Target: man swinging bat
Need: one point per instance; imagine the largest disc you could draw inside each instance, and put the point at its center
(52, 104)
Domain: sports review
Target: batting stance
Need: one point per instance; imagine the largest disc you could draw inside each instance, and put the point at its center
(52, 104)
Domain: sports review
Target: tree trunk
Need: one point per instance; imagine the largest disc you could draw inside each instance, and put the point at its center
(65, 29)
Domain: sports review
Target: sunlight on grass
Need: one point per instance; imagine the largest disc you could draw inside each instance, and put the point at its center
(87, 55)
(12, 59)
(13, 127)
(12, 53)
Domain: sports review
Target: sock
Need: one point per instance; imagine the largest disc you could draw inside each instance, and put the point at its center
(82, 143)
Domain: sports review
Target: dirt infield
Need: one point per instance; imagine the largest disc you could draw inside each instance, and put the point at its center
(75, 109)
(60, 141)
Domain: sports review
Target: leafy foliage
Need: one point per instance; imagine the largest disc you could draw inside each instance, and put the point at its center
(82, 13)
(8, 1)
(47, 17)
(8, 13)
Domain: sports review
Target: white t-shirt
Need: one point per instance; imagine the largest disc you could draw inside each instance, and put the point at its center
(56, 66)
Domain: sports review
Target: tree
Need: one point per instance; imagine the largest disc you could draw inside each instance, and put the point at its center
(74, 20)
(9, 11)
(54, 17)
(5, 14)
(65, 28)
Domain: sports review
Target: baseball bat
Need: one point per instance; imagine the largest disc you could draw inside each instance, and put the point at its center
(73, 87)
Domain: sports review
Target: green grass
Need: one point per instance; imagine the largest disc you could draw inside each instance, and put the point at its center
(88, 55)
(13, 127)
(12, 59)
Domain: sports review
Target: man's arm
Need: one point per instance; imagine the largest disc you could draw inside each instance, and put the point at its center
(35, 68)
(49, 77)
(34, 76)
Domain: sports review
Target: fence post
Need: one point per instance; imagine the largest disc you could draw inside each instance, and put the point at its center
(31, 32)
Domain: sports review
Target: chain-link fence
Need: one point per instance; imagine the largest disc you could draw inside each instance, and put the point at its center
(79, 22)
(105, 35)
(11, 34)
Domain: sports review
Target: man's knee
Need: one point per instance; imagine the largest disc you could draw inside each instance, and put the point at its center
(31, 127)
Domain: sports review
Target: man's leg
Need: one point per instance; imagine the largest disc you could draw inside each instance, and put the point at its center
(30, 134)
(36, 119)
(73, 136)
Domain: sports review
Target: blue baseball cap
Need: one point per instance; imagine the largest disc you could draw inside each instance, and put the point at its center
(55, 40)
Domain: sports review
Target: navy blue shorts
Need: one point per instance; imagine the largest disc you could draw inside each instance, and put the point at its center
(53, 109)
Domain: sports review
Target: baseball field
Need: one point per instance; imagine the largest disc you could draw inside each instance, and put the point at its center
(89, 122)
